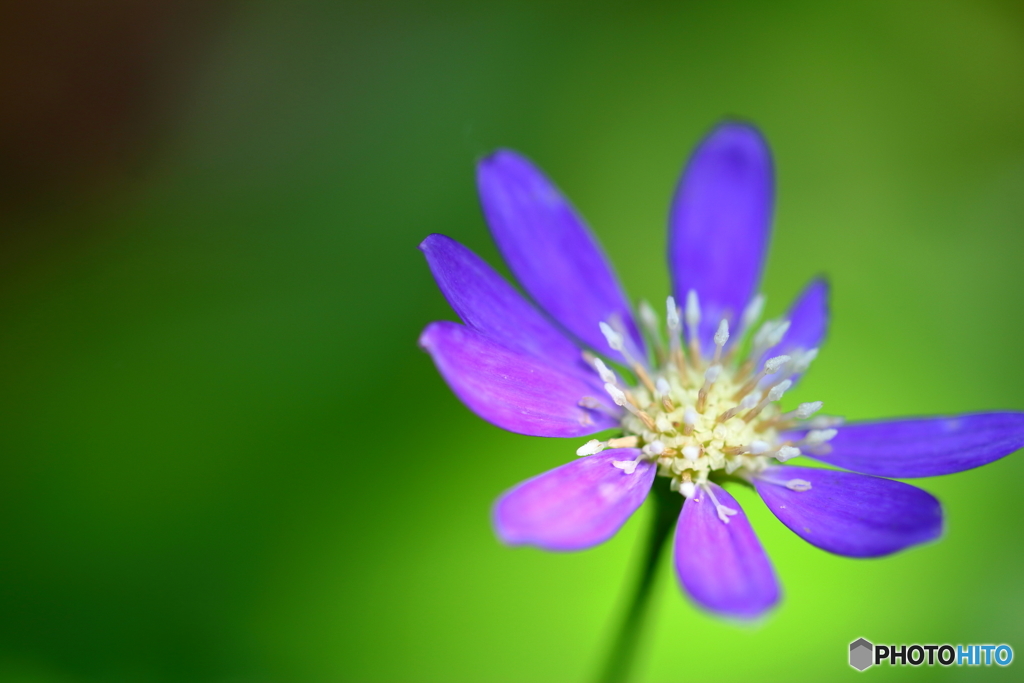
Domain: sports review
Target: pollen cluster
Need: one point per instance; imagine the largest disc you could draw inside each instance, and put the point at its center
(698, 412)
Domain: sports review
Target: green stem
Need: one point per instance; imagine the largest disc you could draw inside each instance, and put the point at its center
(666, 511)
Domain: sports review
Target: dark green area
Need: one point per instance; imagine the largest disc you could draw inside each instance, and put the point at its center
(224, 458)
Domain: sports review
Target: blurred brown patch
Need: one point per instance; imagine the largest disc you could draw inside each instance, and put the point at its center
(84, 87)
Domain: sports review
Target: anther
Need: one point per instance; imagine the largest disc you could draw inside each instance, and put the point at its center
(591, 403)
(766, 337)
(606, 375)
(787, 453)
(689, 420)
(724, 513)
(771, 365)
(654, 448)
(816, 437)
(613, 338)
(721, 337)
(591, 447)
(617, 342)
(751, 313)
(627, 466)
(693, 323)
(758, 447)
(691, 452)
(802, 412)
(623, 442)
(774, 394)
(791, 484)
(804, 361)
(675, 332)
(621, 399)
(748, 402)
(805, 410)
(665, 392)
(825, 422)
(649, 319)
(687, 489)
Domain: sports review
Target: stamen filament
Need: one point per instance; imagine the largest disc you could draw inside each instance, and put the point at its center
(710, 376)
(693, 324)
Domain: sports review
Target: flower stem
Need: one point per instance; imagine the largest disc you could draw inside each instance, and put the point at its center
(666, 510)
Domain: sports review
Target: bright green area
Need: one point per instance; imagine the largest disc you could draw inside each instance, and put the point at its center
(224, 458)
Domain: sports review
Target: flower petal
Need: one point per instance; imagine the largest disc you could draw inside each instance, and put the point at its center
(722, 565)
(808, 324)
(551, 251)
(720, 222)
(851, 514)
(575, 506)
(512, 390)
(489, 304)
(924, 446)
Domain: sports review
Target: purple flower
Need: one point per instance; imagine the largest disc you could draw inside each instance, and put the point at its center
(688, 402)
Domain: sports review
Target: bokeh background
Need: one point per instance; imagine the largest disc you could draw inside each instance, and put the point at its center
(223, 457)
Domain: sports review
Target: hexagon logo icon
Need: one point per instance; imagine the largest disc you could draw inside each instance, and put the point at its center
(861, 654)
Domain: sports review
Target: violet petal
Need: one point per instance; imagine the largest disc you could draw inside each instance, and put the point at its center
(722, 565)
(512, 390)
(720, 223)
(923, 446)
(551, 251)
(575, 506)
(487, 303)
(851, 514)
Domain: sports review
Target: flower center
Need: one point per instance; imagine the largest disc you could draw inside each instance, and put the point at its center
(696, 412)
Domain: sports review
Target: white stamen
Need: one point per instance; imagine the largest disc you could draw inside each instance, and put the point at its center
(687, 488)
(757, 447)
(691, 452)
(591, 447)
(690, 416)
(617, 395)
(662, 386)
(722, 335)
(825, 421)
(750, 400)
(606, 375)
(752, 312)
(712, 373)
(627, 466)
(776, 392)
(591, 403)
(804, 361)
(787, 453)
(816, 437)
(798, 485)
(692, 311)
(773, 364)
(763, 333)
(649, 318)
(778, 333)
(805, 410)
(723, 512)
(613, 337)
(654, 448)
(672, 314)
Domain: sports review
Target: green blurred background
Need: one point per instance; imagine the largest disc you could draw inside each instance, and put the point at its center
(223, 457)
